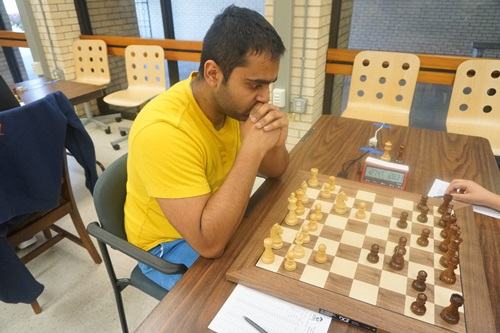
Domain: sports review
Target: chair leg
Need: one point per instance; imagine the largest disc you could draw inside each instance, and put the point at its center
(84, 236)
(96, 120)
(115, 283)
(36, 307)
(47, 233)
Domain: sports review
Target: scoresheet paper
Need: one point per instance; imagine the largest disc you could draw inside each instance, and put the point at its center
(440, 186)
(270, 313)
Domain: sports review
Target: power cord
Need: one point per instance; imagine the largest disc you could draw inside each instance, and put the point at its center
(348, 164)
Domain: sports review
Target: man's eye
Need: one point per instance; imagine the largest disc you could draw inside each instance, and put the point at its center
(255, 85)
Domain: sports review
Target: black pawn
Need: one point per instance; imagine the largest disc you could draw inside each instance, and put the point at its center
(373, 255)
(419, 283)
(402, 222)
(445, 218)
(423, 202)
(423, 240)
(450, 314)
(398, 260)
(446, 202)
(448, 276)
(401, 245)
(418, 307)
(422, 217)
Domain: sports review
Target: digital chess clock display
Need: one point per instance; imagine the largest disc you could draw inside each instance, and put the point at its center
(385, 173)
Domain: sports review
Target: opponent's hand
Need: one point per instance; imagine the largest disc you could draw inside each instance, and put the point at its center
(471, 192)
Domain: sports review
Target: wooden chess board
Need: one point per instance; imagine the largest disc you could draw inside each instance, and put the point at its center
(351, 287)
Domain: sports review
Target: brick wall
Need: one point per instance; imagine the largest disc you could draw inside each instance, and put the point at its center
(313, 78)
(435, 27)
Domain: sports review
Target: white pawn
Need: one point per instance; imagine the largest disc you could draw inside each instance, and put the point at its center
(325, 192)
(299, 194)
(331, 181)
(361, 214)
(320, 256)
(317, 211)
(268, 255)
(305, 232)
(291, 217)
(313, 181)
(298, 249)
(313, 224)
(290, 263)
(303, 186)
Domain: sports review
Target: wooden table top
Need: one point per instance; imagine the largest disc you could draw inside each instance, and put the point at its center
(76, 92)
(192, 304)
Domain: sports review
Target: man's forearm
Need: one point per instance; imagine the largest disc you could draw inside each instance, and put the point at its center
(275, 162)
(225, 208)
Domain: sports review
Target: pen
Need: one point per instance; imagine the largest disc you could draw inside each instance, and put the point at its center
(257, 327)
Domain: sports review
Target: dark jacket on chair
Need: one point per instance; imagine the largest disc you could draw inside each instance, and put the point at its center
(32, 141)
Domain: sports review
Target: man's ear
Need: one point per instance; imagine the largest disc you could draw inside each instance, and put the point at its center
(212, 73)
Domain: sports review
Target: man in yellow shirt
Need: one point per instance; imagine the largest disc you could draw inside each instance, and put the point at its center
(195, 150)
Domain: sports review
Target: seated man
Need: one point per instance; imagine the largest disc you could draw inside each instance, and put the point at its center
(196, 149)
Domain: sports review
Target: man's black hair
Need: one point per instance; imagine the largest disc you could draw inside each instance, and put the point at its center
(236, 33)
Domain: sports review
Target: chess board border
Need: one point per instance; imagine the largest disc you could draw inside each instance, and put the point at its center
(477, 308)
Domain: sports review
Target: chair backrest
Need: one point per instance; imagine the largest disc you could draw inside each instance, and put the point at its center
(7, 99)
(382, 87)
(145, 65)
(475, 101)
(91, 61)
(109, 197)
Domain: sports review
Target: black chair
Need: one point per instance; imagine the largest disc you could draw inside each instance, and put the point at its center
(109, 199)
(7, 99)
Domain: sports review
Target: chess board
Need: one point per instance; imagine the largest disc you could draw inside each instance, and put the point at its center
(350, 286)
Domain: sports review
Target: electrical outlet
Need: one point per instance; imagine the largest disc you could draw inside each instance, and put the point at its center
(299, 105)
(279, 97)
(37, 68)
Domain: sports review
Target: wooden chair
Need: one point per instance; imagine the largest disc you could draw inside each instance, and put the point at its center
(382, 87)
(91, 66)
(475, 101)
(45, 222)
(145, 66)
(35, 201)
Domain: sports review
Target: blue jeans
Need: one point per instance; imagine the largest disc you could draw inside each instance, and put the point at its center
(177, 252)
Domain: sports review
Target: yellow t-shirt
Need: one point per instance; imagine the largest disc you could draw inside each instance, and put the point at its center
(174, 152)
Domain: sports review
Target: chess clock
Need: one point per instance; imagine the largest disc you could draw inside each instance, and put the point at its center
(385, 173)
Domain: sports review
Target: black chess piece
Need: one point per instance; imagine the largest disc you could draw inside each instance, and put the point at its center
(373, 256)
(450, 313)
(399, 158)
(423, 240)
(423, 201)
(419, 283)
(446, 202)
(422, 217)
(398, 260)
(418, 307)
(448, 276)
(402, 222)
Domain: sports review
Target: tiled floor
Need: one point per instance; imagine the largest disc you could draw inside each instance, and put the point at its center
(77, 295)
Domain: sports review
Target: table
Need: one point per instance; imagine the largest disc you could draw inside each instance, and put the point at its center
(76, 92)
(192, 304)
